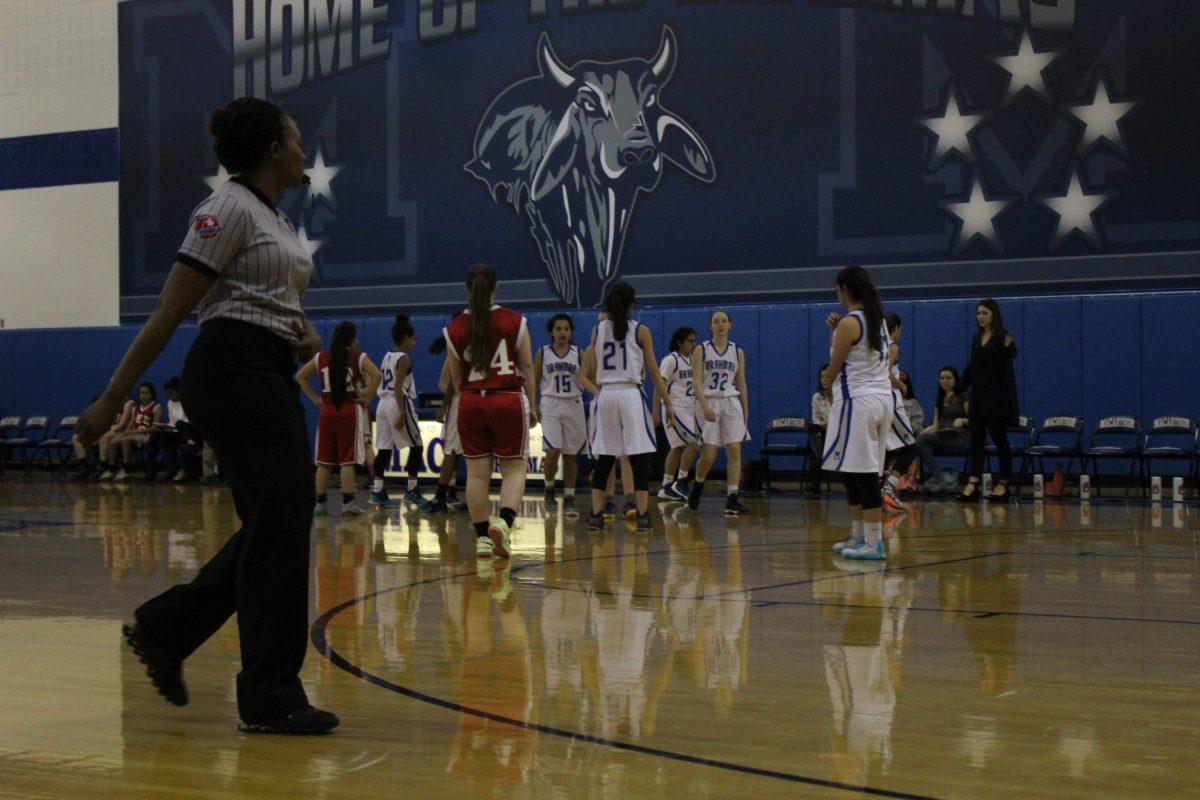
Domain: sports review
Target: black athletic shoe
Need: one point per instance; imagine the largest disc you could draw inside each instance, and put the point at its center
(694, 495)
(551, 500)
(734, 507)
(164, 670)
(596, 522)
(307, 721)
(643, 523)
(438, 507)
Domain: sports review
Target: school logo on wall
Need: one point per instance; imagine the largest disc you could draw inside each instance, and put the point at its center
(571, 148)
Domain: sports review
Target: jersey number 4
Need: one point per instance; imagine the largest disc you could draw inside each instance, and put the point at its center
(501, 363)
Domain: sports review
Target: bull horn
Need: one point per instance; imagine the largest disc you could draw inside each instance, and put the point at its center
(551, 66)
(663, 63)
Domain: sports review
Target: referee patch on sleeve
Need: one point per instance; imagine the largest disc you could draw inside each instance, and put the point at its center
(207, 227)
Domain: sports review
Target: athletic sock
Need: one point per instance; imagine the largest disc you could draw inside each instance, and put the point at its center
(569, 492)
(442, 491)
(681, 475)
(412, 484)
(377, 486)
(347, 497)
(874, 532)
(667, 480)
(856, 528)
(322, 498)
(481, 529)
(731, 490)
(509, 516)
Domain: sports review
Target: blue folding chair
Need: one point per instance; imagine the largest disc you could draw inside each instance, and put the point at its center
(795, 445)
(57, 443)
(1060, 436)
(1171, 438)
(11, 440)
(1115, 438)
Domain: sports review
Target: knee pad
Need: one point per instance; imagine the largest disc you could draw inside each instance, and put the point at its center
(600, 471)
(870, 492)
(641, 471)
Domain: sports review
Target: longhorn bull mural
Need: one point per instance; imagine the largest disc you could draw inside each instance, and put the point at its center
(572, 147)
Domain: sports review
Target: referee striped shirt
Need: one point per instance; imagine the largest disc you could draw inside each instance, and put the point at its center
(259, 266)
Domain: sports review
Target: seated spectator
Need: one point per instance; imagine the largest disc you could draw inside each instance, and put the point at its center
(821, 401)
(146, 414)
(169, 436)
(110, 444)
(948, 431)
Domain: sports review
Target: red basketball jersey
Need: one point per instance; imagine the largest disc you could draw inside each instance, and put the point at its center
(143, 416)
(503, 374)
(353, 376)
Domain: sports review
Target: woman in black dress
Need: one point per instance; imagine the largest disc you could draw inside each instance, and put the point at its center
(993, 400)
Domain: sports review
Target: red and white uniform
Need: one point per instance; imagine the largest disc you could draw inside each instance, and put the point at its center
(493, 412)
(339, 430)
(143, 421)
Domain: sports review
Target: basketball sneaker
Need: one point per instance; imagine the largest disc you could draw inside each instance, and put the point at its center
(381, 500)
(849, 543)
(866, 552)
(643, 523)
(681, 489)
(569, 508)
(551, 500)
(438, 506)
(596, 522)
(458, 506)
(890, 500)
(735, 507)
(306, 721)
(630, 512)
(353, 510)
(414, 498)
(670, 492)
(483, 547)
(610, 510)
(694, 495)
(499, 533)
(164, 669)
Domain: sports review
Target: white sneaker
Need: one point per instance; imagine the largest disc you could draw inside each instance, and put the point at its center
(867, 552)
(121, 475)
(180, 476)
(107, 475)
(353, 510)
(890, 500)
(663, 494)
(849, 542)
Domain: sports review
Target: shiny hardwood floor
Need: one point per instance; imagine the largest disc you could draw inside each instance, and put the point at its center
(1025, 651)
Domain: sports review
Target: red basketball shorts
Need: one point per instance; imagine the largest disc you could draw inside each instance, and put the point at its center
(339, 436)
(494, 425)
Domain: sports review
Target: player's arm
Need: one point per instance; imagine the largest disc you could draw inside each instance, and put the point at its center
(158, 415)
(525, 364)
(667, 370)
(537, 371)
(698, 384)
(304, 376)
(180, 295)
(587, 369)
(446, 387)
(893, 357)
(126, 418)
(402, 368)
(374, 377)
(848, 329)
(739, 380)
(660, 386)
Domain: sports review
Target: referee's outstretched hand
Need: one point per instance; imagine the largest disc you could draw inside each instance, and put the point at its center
(97, 419)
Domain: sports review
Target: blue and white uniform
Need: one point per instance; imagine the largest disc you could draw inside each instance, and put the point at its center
(900, 434)
(677, 374)
(620, 421)
(861, 414)
(722, 395)
(393, 433)
(564, 424)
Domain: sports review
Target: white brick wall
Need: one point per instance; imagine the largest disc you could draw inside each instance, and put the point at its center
(58, 256)
(58, 246)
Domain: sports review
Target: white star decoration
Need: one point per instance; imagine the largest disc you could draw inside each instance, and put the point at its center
(1076, 212)
(311, 245)
(320, 176)
(978, 215)
(951, 130)
(1026, 67)
(1101, 117)
(216, 181)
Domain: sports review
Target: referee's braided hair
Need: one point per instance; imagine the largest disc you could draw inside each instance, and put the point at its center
(339, 352)
(481, 283)
(857, 283)
(243, 132)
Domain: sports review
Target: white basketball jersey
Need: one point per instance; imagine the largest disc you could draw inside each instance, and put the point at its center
(558, 374)
(387, 386)
(677, 372)
(618, 361)
(720, 368)
(865, 371)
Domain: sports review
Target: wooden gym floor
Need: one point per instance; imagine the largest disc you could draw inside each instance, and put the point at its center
(1025, 651)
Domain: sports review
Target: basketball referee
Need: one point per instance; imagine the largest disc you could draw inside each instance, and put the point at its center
(243, 269)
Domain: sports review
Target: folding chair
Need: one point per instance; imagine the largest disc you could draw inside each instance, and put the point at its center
(58, 443)
(10, 439)
(795, 446)
(1115, 437)
(33, 432)
(1171, 439)
(1059, 437)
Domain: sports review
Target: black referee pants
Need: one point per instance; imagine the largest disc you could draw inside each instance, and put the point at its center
(238, 391)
